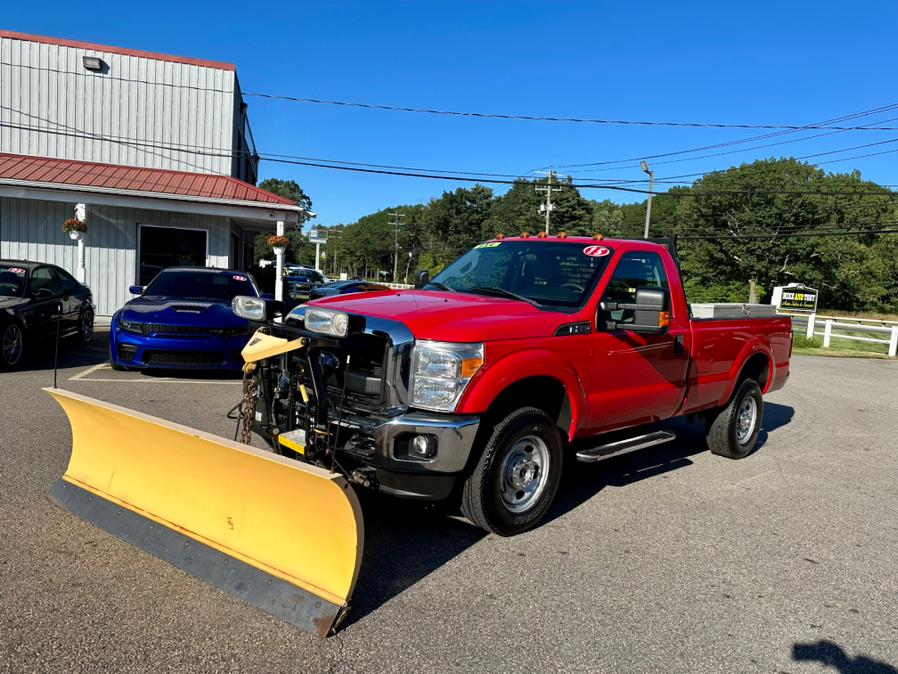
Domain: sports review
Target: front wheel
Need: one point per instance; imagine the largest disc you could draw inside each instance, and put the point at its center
(734, 430)
(12, 345)
(515, 479)
(86, 325)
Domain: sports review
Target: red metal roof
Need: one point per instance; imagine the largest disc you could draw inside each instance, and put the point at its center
(116, 50)
(153, 182)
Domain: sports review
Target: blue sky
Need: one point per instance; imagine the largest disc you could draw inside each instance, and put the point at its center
(759, 62)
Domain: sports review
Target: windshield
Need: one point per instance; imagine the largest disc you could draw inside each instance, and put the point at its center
(201, 285)
(12, 280)
(546, 273)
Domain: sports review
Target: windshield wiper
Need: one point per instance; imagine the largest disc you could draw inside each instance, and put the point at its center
(502, 292)
(440, 286)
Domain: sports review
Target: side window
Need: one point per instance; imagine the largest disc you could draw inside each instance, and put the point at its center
(634, 271)
(45, 277)
(69, 284)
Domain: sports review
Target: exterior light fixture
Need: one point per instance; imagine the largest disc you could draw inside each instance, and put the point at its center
(94, 63)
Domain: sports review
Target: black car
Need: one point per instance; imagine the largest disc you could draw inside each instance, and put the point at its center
(300, 281)
(355, 285)
(36, 300)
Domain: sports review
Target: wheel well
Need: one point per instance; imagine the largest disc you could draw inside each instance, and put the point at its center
(544, 393)
(758, 368)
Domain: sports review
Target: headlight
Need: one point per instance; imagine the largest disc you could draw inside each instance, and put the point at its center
(327, 322)
(442, 372)
(250, 308)
(134, 327)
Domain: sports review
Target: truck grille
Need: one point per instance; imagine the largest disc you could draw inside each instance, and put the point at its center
(365, 377)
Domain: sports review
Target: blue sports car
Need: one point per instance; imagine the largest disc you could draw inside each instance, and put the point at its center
(183, 319)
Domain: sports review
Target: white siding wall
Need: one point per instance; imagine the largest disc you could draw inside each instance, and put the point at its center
(45, 88)
(32, 230)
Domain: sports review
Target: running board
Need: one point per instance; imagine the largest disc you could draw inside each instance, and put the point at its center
(602, 452)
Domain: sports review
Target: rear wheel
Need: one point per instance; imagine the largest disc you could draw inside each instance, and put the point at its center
(515, 479)
(12, 345)
(733, 431)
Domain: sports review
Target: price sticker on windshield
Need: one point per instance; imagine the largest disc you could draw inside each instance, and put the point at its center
(596, 251)
(239, 278)
(18, 271)
(489, 244)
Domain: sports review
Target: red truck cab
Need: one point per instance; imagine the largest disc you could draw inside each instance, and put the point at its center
(527, 352)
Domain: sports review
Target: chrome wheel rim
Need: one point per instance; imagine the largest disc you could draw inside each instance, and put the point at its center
(746, 418)
(12, 344)
(87, 325)
(523, 473)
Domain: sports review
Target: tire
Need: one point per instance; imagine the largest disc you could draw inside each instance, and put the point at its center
(733, 431)
(12, 345)
(516, 477)
(86, 325)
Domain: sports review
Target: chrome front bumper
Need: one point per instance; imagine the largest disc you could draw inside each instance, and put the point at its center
(454, 435)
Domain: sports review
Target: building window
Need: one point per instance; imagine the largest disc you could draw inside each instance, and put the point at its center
(162, 247)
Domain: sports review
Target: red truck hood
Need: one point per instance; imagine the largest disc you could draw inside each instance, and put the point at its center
(453, 317)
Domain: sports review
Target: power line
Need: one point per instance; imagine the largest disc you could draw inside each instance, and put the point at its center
(545, 118)
(470, 177)
(457, 113)
(714, 146)
(791, 235)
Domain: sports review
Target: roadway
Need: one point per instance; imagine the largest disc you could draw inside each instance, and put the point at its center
(670, 559)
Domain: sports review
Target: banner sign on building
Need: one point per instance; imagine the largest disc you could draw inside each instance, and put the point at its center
(795, 297)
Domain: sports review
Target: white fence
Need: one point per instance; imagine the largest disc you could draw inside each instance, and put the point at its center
(835, 327)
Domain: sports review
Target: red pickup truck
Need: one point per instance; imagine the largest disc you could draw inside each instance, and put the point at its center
(481, 382)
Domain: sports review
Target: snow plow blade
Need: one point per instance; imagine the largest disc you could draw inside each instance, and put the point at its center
(284, 536)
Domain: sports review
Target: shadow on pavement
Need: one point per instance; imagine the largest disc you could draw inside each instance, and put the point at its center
(72, 353)
(775, 416)
(405, 540)
(830, 654)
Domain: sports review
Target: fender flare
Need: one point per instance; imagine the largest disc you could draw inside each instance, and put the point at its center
(759, 344)
(493, 380)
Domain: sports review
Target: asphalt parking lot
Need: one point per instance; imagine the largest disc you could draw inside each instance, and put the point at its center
(668, 560)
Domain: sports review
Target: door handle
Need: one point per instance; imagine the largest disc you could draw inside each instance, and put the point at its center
(679, 345)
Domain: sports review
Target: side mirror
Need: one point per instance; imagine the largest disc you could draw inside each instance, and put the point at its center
(422, 278)
(136, 290)
(650, 311)
(257, 309)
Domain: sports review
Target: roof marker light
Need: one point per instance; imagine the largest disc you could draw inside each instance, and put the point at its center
(599, 237)
(542, 235)
(500, 236)
(562, 235)
(525, 235)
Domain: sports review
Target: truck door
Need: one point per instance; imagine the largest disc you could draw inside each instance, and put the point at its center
(637, 377)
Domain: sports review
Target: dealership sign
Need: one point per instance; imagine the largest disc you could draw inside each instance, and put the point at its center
(795, 297)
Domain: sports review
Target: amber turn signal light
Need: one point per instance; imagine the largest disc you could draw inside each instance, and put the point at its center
(663, 319)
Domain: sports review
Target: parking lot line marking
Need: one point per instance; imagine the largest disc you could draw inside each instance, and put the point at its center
(88, 371)
(83, 376)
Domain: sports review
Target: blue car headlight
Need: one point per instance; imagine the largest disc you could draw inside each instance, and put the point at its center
(134, 327)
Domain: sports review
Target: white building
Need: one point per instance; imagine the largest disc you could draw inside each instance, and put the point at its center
(153, 152)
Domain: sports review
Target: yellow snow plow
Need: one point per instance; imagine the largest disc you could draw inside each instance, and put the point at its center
(282, 535)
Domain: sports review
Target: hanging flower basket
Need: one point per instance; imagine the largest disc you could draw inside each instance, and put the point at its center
(74, 228)
(278, 243)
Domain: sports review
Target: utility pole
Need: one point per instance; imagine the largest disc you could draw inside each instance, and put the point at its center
(648, 209)
(396, 221)
(548, 207)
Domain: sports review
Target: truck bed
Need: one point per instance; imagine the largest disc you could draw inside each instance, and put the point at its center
(721, 346)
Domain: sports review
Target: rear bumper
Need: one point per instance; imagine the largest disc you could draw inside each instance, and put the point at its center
(193, 353)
